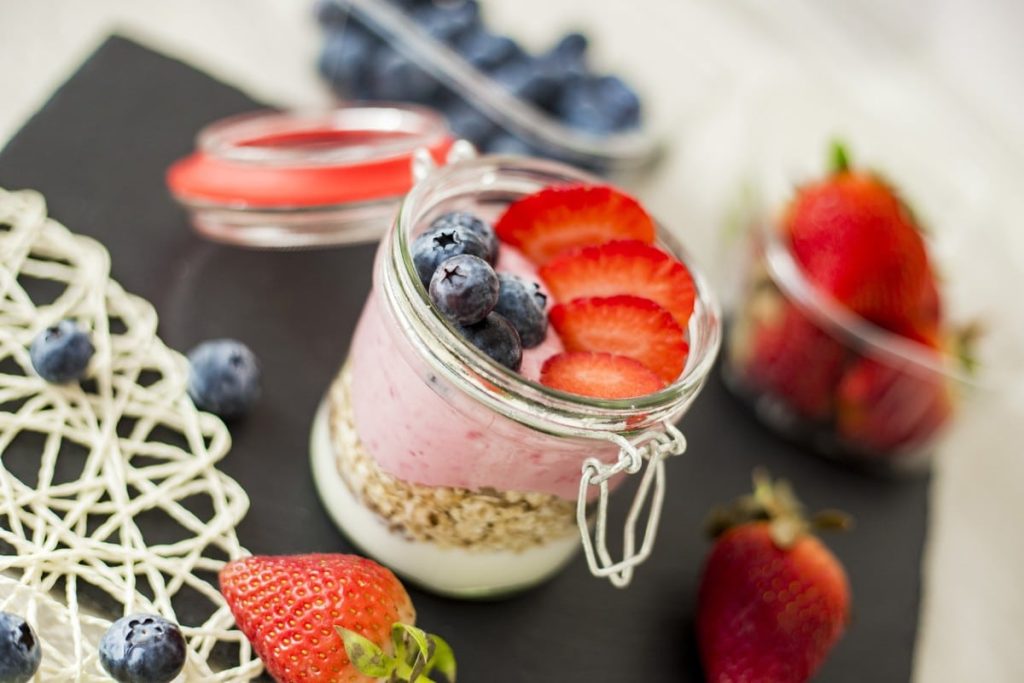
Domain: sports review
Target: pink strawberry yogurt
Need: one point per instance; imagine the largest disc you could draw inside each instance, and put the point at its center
(423, 431)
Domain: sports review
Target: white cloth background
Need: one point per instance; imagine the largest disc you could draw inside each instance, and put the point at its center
(747, 93)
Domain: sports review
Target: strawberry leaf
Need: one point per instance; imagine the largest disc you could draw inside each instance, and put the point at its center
(443, 659)
(365, 655)
(839, 159)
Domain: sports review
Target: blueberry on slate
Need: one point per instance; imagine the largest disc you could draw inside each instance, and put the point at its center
(345, 59)
(473, 224)
(506, 143)
(487, 51)
(496, 337)
(20, 653)
(224, 377)
(441, 242)
(524, 305)
(468, 123)
(61, 353)
(143, 648)
(465, 289)
(394, 77)
(528, 79)
(448, 23)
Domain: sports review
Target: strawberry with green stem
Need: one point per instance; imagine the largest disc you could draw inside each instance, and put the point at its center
(773, 599)
(331, 619)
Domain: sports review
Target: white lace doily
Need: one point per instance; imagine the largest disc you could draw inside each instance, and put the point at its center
(110, 501)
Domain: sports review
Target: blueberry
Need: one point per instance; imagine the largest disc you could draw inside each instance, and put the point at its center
(441, 242)
(565, 63)
(330, 12)
(468, 123)
(143, 648)
(224, 377)
(506, 143)
(448, 23)
(478, 227)
(487, 51)
(394, 77)
(527, 79)
(61, 353)
(524, 305)
(572, 45)
(496, 337)
(345, 59)
(465, 289)
(20, 653)
(599, 105)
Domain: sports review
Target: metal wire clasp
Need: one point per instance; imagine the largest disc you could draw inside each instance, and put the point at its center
(654, 447)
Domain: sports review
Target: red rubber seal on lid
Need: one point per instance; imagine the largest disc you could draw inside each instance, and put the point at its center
(273, 160)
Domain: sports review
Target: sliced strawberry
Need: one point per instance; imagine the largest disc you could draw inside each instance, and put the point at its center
(625, 325)
(602, 375)
(548, 222)
(622, 267)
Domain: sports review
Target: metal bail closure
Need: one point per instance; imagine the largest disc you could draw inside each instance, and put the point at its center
(654, 447)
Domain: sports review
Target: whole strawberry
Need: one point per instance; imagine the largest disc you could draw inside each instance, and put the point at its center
(330, 619)
(773, 600)
(857, 240)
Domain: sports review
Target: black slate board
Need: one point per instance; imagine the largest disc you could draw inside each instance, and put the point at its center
(98, 151)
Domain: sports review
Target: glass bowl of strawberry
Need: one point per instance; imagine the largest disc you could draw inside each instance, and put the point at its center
(841, 340)
(531, 339)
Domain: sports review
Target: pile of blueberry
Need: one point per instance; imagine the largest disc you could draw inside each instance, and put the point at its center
(360, 65)
(141, 648)
(499, 313)
(224, 375)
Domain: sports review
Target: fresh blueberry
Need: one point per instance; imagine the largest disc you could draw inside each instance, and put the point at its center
(20, 653)
(330, 12)
(344, 61)
(224, 377)
(566, 62)
(496, 337)
(393, 76)
(465, 289)
(506, 143)
(473, 224)
(527, 79)
(524, 305)
(143, 648)
(61, 353)
(599, 105)
(448, 23)
(487, 51)
(572, 45)
(468, 123)
(441, 242)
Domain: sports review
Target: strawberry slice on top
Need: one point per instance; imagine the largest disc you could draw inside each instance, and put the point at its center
(622, 267)
(625, 325)
(601, 375)
(546, 223)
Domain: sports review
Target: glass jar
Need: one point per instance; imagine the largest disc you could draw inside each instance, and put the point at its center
(817, 373)
(463, 476)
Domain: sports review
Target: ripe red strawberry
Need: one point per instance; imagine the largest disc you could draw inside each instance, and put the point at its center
(602, 375)
(622, 267)
(548, 222)
(301, 612)
(773, 599)
(882, 408)
(624, 325)
(856, 240)
(777, 349)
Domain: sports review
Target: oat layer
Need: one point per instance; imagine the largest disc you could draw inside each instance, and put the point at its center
(449, 517)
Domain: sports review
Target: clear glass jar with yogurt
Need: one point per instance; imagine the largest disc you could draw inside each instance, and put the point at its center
(465, 477)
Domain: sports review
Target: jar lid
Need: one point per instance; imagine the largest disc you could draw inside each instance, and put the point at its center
(291, 179)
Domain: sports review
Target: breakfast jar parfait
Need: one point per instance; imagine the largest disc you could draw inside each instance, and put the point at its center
(531, 338)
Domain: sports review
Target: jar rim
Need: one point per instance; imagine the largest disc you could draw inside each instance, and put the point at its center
(485, 379)
(788, 275)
